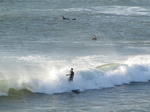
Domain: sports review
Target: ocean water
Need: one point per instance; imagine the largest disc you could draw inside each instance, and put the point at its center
(38, 48)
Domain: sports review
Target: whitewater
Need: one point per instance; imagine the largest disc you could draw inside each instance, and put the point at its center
(49, 77)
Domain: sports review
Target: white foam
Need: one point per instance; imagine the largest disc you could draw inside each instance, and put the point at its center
(49, 78)
(121, 10)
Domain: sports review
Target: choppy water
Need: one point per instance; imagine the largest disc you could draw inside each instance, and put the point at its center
(38, 48)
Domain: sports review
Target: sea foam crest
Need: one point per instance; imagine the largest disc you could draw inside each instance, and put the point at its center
(121, 10)
(52, 80)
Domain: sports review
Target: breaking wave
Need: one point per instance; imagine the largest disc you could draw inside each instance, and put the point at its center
(51, 79)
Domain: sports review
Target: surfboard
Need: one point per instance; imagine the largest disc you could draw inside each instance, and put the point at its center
(77, 91)
(109, 66)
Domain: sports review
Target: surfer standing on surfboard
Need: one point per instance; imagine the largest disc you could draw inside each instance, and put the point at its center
(71, 75)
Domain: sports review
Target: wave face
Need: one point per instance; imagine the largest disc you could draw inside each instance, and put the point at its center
(51, 78)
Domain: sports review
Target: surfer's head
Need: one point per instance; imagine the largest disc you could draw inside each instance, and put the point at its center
(71, 68)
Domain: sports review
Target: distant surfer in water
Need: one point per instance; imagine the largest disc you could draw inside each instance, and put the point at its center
(67, 18)
(71, 75)
(94, 37)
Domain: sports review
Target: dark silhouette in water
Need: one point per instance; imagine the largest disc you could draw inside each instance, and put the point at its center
(67, 18)
(94, 37)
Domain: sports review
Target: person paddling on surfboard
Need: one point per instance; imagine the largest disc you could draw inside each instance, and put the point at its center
(65, 18)
(71, 75)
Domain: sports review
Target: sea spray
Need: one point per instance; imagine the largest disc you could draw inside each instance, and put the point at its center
(46, 77)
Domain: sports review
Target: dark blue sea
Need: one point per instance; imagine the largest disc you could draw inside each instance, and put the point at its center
(38, 48)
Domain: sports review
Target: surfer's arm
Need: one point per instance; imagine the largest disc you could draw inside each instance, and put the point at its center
(67, 74)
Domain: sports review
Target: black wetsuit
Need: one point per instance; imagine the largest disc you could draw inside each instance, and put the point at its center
(71, 75)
